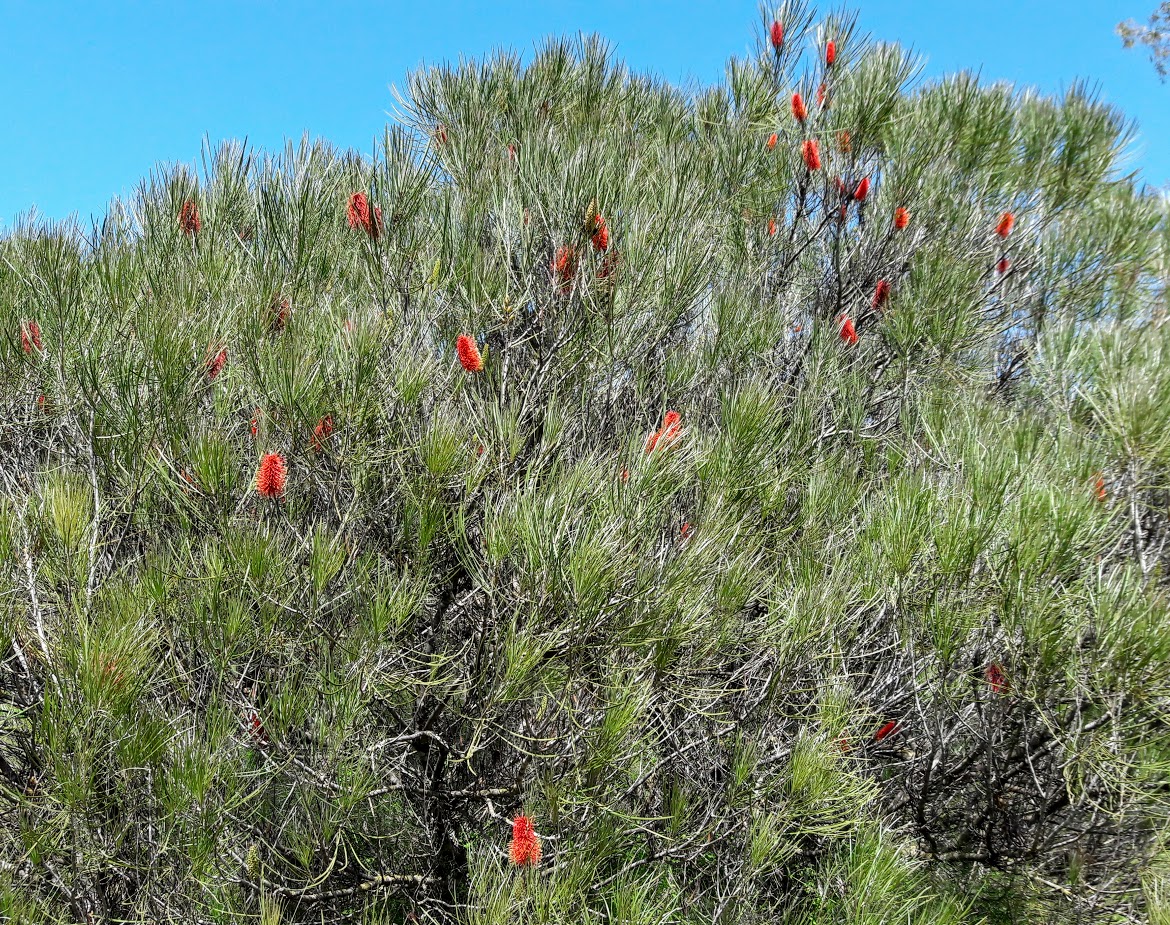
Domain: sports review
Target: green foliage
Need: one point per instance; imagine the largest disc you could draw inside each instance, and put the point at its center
(877, 632)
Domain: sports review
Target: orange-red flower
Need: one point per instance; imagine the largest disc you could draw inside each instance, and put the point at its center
(822, 93)
(862, 190)
(189, 222)
(216, 362)
(564, 266)
(360, 215)
(1006, 222)
(1003, 266)
(996, 678)
(525, 847)
(888, 729)
(685, 531)
(848, 330)
(1099, 486)
(280, 311)
(600, 235)
(799, 110)
(881, 293)
(441, 134)
(30, 336)
(468, 352)
(831, 53)
(772, 227)
(255, 423)
(777, 34)
(322, 432)
(811, 153)
(901, 218)
(256, 728)
(271, 475)
(667, 433)
(772, 139)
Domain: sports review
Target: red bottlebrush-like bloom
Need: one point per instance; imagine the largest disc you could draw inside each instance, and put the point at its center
(256, 728)
(888, 729)
(772, 227)
(322, 432)
(831, 54)
(848, 330)
(189, 222)
(881, 293)
(255, 423)
(41, 402)
(564, 266)
(215, 364)
(845, 143)
(525, 847)
(799, 110)
(1099, 486)
(280, 312)
(667, 433)
(777, 35)
(901, 218)
(1006, 222)
(358, 211)
(685, 531)
(822, 92)
(772, 139)
(271, 475)
(996, 678)
(1003, 266)
(811, 152)
(441, 134)
(601, 235)
(30, 336)
(468, 352)
(862, 190)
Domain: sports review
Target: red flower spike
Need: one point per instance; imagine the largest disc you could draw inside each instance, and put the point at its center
(189, 222)
(811, 153)
(772, 227)
(255, 424)
(901, 218)
(996, 678)
(30, 336)
(468, 352)
(848, 330)
(256, 728)
(887, 730)
(1003, 266)
(280, 312)
(322, 432)
(862, 190)
(564, 266)
(358, 211)
(830, 54)
(1006, 222)
(667, 433)
(1099, 487)
(271, 475)
(625, 475)
(777, 35)
(772, 139)
(601, 235)
(881, 293)
(215, 364)
(685, 531)
(525, 847)
(799, 110)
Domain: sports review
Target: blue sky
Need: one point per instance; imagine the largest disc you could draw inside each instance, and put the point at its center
(95, 94)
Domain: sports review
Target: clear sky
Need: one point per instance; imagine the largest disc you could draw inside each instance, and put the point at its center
(93, 94)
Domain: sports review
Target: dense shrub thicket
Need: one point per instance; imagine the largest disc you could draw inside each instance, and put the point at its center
(607, 503)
